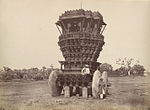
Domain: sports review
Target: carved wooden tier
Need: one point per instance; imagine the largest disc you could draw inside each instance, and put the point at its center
(81, 39)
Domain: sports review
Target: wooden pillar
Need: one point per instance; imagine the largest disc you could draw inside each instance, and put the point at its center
(62, 23)
(85, 92)
(58, 29)
(80, 91)
(89, 91)
(77, 90)
(103, 28)
(82, 24)
(67, 91)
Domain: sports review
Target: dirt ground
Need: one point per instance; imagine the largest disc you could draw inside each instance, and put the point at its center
(125, 93)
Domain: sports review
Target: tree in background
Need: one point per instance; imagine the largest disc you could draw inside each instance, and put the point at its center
(106, 67)
(126, 62)
(122, 71)
(7, 73)
(126, 67)
(26, 74)
(138, 70)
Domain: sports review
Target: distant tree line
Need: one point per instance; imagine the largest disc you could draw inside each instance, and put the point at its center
(26, 74)
(125, 69)
(136, 70)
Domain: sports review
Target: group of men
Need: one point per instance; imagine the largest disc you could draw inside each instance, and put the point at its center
(99, 82)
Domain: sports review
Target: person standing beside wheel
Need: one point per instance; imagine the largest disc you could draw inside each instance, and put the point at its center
(95, 83)
(101, 92)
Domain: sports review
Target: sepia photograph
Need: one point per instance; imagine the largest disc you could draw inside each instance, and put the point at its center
(74, 55)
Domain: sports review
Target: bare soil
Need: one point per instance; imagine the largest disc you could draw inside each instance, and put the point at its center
(125, 93)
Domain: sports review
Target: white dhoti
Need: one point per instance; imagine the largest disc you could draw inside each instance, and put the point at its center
(95, 83)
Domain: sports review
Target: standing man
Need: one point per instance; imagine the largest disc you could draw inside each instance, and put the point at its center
(101, 92)
(95, 83)
(85, 70)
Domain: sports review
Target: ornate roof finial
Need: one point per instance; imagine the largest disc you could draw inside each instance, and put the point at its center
(81, 4)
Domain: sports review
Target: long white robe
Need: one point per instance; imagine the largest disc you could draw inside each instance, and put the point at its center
(95, 83)
(105, 76)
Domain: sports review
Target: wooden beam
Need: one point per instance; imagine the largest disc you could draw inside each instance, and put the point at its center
(65, 29)
(103, 29)
(58, 29)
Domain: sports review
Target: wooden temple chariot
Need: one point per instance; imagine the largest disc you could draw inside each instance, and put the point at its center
(80, 39)
(80, 42)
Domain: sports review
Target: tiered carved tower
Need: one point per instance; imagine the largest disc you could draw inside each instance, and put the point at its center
(80, 39)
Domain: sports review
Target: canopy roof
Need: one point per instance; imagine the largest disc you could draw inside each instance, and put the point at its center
(80, 13)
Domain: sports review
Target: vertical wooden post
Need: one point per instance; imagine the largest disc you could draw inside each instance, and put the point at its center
(84, 92)
(89, 91)
(67, 91)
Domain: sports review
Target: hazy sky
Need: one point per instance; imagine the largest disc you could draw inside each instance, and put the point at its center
(28, 35)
